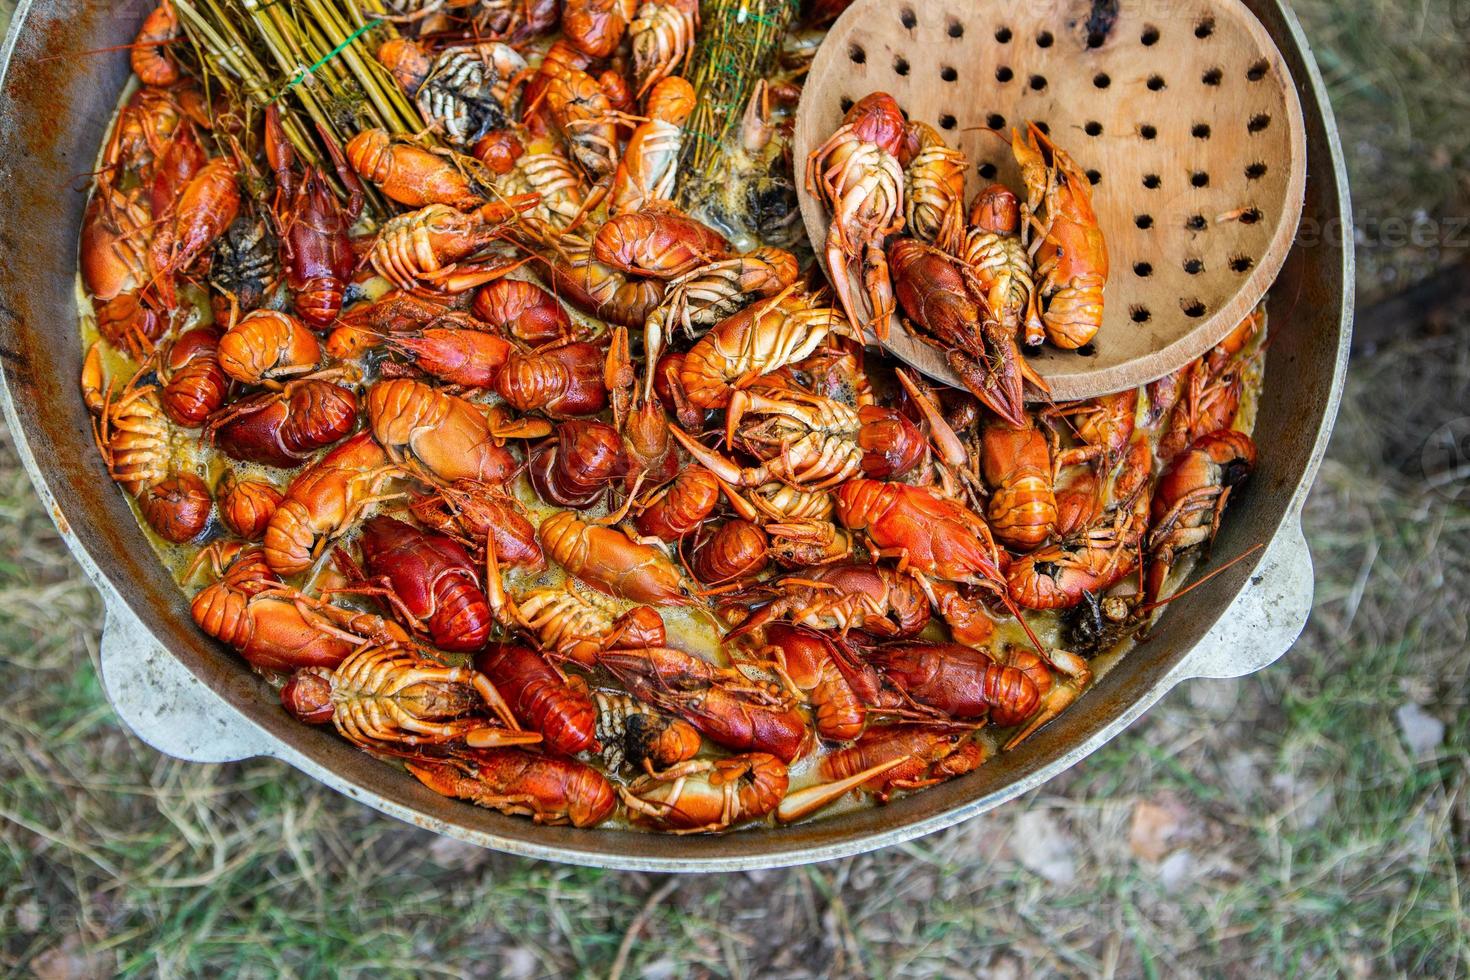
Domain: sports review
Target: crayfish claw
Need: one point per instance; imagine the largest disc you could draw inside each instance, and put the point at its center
(805, 802)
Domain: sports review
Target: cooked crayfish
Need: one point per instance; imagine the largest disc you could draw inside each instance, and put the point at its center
(649, 167)
(284, 428)
(573, 621)
(934, 189)
(633, 734)
(706, 796)
(951, 312)
(542, 698)
(546, 789)
(888, 760)
(610, 561)
(995, 254)
(473, 513)
(758, 340)
(856, 173)
(1191, 496)
(428, 581)
(392, 695)
(662, 33)
(1071, 256)
(447, 436)
(412, 175)
(870, 598)
(276, 628)
(1017, 464)
(428, 245)
(468, 91)
(134, 436)
(324, 501)
(725, 705)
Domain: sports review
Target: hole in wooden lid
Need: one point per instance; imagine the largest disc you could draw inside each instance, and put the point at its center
(1140, 314)
(956, 29)
(1096, 39)
(1042, 125)
(1094, 177)
(1044, 39)
(1200, 131)
(1101, 80)
(1038, 83)
(1003, 74)
(1087, 350)
(947, 121)
(1259, 122)
(1241, 263)
(1256, 170)
(1147, 131)
(1003, 35)
(1144, 221)
(1093, 128)
(1156, 83)
(1196, 222)
(1143, 269)
(1194, 266)
(908, 18)
(1204, 28)
(948, 73)
(1213, 77)
(846, 103)
(1199, 178)
(857, 54)
(1251, 216)
(1150, 36)
(900, 66)
(995, 121)
(1192, 307)
(987, 171)
(1152, 181)
(1257, 71)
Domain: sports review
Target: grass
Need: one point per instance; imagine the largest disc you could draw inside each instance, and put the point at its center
(1294, 830)
(1388, 66)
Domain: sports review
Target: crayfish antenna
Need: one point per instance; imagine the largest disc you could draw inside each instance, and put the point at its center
(1030, 634)
(1160, 603)
(804, 802)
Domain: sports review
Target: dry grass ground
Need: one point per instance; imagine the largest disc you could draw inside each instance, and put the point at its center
(1312, 819)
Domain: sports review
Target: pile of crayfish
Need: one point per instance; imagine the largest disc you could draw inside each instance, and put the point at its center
(546, 491)
(977, 282)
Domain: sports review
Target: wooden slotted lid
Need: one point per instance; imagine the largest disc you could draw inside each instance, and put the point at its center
(1183, 114)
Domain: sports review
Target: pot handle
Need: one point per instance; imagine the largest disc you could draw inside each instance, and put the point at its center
(1265, 619)
(162, 702)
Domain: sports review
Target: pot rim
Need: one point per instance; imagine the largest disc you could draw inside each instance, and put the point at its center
(313, 751)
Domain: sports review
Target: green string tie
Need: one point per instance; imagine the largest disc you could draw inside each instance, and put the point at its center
(304, 74)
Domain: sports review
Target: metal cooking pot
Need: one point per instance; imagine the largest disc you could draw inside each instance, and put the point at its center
(189, 697)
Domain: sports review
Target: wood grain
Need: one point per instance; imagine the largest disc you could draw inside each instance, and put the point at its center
(1182, 112)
